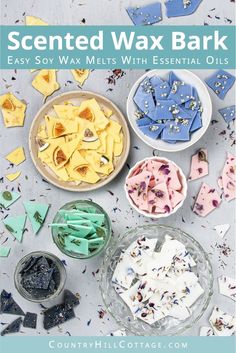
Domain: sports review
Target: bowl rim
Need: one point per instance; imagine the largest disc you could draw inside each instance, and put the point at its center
(184, 183)
(103, 248)
(181, 145)
(113, 247)
(54, 180)
(58, 263)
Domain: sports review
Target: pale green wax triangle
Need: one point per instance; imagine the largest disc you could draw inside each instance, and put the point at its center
(4, 251)
(15, 225)
(37, 213)
(7, 198)
(76, 245)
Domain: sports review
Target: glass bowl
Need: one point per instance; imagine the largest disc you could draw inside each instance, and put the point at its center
(168, 326)
(24, 292)
(59, 219)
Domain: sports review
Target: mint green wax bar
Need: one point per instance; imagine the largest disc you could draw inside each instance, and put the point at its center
(76, 245)
(97, 218)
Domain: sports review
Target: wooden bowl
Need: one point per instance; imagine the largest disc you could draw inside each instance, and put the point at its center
(76, 97)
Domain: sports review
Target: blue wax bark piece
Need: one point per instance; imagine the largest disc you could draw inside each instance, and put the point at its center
(176, 131)
(143, 98)
(144, 121)
(173, 78)
(228, 113)
(177, 8)
(182, 113)
(197, 122)
(221, 82)
(145, 15)
(153, 130)
(164, 109)
(180, 92)
(161, 88)
(194, 103)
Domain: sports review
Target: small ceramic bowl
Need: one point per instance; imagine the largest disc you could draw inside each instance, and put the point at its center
(61, 272)
(204, 96)
(59, 219)
(182, 179)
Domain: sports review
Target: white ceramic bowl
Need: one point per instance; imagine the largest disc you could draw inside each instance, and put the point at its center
(204, 96)
(182, 179)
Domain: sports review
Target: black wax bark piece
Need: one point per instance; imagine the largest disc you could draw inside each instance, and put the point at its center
(30, 320)
(37, 280)
(13, 327)
(57, 315)
(70, 299)
(8, 305)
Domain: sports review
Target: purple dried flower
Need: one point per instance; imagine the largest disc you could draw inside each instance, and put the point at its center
(167, 208)
(215, 203)
(159, 193)
(198, 207)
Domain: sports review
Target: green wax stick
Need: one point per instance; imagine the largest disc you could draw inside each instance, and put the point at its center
(96, 240)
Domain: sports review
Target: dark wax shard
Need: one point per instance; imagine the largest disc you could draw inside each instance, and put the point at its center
(8, 305)
(57, 315)
(70, 299)
(40, 277)
(13, 327)
(30, 320)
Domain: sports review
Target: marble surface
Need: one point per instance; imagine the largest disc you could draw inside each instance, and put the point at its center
(83, 275)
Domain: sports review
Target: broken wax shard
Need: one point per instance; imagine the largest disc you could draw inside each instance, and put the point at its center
(222, 323)
(7, 198)
(221, 82)
(177, 8)
(227, 180)
(227, 287)
(16, 226)
(13, 327)
(228, 113)
(30, 320)
(145, 15)
(8, 304)
(37, 213)
(199, 165)
(208, 199)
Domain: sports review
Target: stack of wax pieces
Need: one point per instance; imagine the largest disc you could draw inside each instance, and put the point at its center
(169, 110)
(16, 226)
(8, 305)
(221, 82)
(80, 75)
(206, 331)
(222, 323)
(80, 143)
(227, 287)
(40, 277)
(58, 314)
(4, 251)
(229, 113)
(145, 15)
(156, 284)
(177, 8)
(7, 198)
(208, 199)
(30, 320)
(82, 230)
(227, 180)
(13, 327)
(199, 165)
(13, 110)
(37, 213)
(155, 186)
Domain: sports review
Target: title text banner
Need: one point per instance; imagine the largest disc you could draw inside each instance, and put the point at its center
(124, 47)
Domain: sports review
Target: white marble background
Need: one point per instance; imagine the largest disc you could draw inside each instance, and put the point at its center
(106, 12)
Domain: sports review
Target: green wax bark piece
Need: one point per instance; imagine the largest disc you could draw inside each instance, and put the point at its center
(78, 231)
(37, 213)
(96, 240)
(15, 225)
(76, 245)
(97, 218)
(82, 223)
(89, 209)
(7, 198)
(4, 251)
